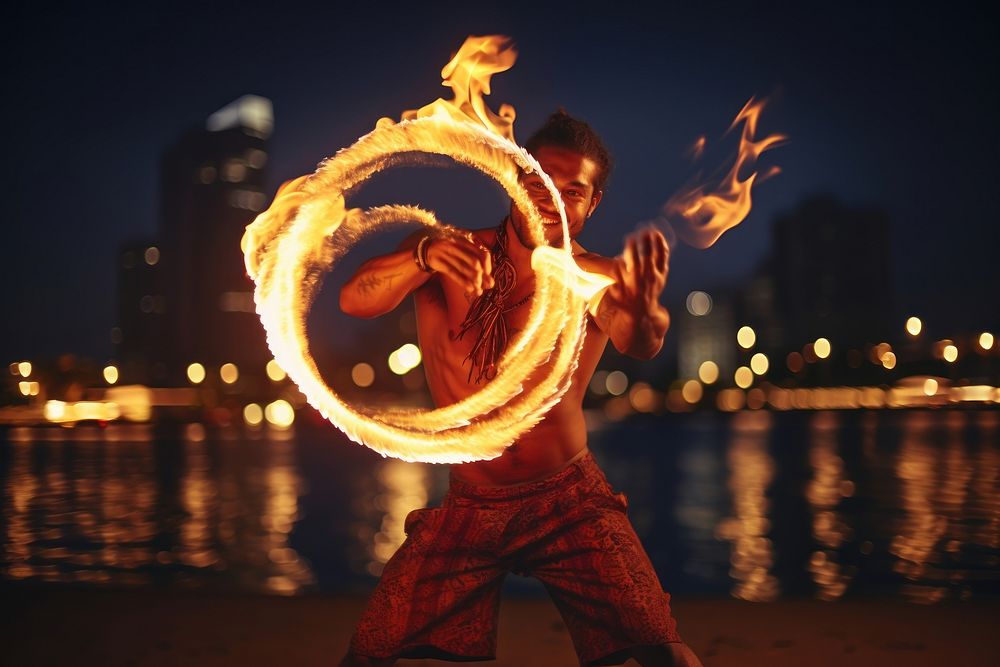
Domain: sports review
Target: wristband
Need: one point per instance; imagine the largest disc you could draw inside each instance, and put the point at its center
(420, 254)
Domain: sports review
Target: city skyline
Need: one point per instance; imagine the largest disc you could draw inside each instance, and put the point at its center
(863, 150)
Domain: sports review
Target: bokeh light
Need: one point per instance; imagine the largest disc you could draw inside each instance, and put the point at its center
(699, 303)
(275, 372)
(889, 360)
(743, 377)
(616, 383)
(914, 326)
(949, 353)
(759, 363)
(24, 368)
(746, 337)
(363, 374)
(708, 372)
(404, 359)
(692, 391)
(930, 386)
(822, 348)
(279, 413)
(111, 374)
(229, 373)
(152, 255)
(986, 340)
(253, 415)
(196, 373)
(794, 362)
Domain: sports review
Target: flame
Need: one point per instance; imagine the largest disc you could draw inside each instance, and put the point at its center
(307, 229)
(468, 75)
(699, 217)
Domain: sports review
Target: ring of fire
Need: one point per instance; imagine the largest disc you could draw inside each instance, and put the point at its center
(290, 246)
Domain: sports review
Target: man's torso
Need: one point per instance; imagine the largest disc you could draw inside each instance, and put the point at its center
(561, 436)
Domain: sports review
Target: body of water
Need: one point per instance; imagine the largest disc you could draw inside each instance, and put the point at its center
(755, 504)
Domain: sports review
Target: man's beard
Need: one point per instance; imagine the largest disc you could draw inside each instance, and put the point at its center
(519, 223)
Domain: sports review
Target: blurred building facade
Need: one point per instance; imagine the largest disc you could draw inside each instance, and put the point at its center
(212, 187)
(831, 273)
(140, 336)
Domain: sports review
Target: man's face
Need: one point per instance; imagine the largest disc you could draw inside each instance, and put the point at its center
(574, 176)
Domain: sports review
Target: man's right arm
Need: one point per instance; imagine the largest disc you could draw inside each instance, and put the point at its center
(381, 283)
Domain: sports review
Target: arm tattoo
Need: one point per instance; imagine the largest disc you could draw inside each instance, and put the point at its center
(369, 284)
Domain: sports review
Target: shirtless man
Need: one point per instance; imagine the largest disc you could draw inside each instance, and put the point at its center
(542, 508)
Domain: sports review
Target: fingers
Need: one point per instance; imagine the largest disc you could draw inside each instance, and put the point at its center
(464, 262)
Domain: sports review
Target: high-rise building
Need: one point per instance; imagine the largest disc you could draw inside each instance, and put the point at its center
(213, 183)
(831, 273)
(139, 336)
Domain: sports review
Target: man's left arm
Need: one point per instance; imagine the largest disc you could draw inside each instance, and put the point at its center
(630, 311)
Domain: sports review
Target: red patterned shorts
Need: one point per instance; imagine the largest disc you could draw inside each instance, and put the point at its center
(439, 595)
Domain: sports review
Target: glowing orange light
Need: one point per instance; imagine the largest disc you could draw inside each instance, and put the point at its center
(913, 326)
(195, 373)
(692, 391)
(743, 377)
(759, 363)
(746, 337)
(708, 372)
(274, 371)
(229, 373)
(363, 374)
(986, 340)
(822, 348)
(110, 374)
(949, 353)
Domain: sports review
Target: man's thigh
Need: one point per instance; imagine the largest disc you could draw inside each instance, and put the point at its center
(439, 594)
(601, 579)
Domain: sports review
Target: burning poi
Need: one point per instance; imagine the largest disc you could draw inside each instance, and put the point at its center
(307, 229)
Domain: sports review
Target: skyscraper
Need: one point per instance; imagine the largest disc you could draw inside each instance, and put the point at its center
(213, 184)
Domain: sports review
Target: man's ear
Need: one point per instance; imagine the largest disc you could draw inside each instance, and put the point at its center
(594, 201)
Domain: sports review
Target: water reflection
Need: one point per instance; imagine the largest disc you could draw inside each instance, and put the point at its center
(116, 505)
(751, 470)
(403, 487)
(825, 492)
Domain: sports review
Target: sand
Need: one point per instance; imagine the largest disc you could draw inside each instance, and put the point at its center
(45, 626)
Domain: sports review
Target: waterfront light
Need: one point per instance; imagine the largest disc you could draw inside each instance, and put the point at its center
(699, 303)
(253, 415)
(692, 391)
(152, 255)
(24, 387)
(279, 413)
(616, 383)
(914, 326)
(275, 372)
(708, 372)
(110, 374)
(794, 362)
(405, 359)
(949, 353)
(746, 337)
(24, 368)
(930, 386)
(759, 363)
(986, 340)
(743, 377)
(888, 360)
(196, 373)
(822, 348)
(363, 374)
(229, 373)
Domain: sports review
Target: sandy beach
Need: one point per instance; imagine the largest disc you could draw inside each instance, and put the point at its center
(149, 628)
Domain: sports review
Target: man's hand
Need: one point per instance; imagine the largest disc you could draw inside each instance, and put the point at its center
(641, 272)
(462, 260)
(630, 311)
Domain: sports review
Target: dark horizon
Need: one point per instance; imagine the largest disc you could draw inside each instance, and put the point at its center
(884, 111)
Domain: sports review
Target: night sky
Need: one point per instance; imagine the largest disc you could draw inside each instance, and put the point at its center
(885, 109)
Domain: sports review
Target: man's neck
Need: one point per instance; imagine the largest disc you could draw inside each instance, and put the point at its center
(519, 254)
